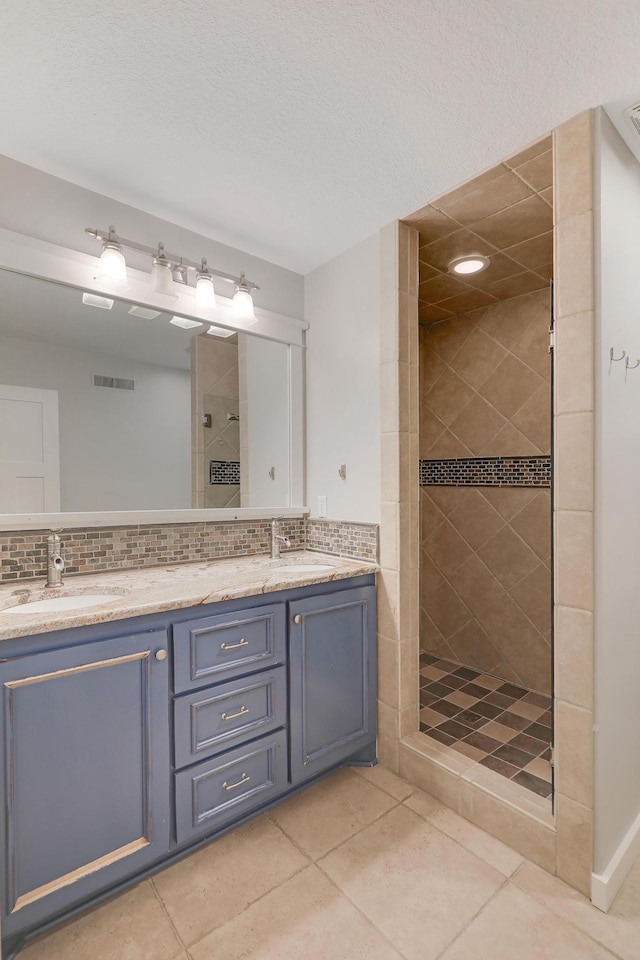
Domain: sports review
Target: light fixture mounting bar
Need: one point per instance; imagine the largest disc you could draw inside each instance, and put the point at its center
(173, 257)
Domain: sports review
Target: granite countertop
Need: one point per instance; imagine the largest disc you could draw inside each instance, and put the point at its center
(151, 590)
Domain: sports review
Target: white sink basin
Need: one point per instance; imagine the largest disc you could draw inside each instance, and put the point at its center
(53, 604)
(304, 568)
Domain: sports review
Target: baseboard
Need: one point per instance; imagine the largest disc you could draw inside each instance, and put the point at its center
(605, 885)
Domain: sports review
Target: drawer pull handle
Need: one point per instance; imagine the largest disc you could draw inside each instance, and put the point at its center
(161, 654)
(297, 618)
(232, 646)
(231, 786)
(232, 716)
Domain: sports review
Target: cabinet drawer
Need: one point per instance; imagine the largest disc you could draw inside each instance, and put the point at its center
(228, 645)
(221, 790)
(216, 718)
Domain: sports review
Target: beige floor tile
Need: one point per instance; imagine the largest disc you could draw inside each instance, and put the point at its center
(414, 883)
(516, 927)
(527, 710)
(307, 918)
(383, 778)
(461, 699)
(540, 768)
(498, 731)
(619, 930)
(432, 673)
(491, 683)
(432, 717)
(321, 817)
(482, 844)
(216, 883)
(132, 926)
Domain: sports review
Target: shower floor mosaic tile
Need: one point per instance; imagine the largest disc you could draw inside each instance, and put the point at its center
(499, 725)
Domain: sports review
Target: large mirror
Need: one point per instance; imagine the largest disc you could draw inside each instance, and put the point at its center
(109, 406)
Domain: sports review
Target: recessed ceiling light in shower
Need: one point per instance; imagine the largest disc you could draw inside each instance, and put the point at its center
(473, 263)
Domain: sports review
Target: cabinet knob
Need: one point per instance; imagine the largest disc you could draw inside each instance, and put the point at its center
(161, 654)
(297, 618)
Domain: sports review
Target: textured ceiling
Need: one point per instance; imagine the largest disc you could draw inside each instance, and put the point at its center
(506, 215)
(293, 129)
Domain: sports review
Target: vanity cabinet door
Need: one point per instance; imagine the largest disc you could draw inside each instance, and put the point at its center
(332, 660)
(85, 772)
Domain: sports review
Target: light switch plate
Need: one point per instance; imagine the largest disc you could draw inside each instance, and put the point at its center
(322, 506)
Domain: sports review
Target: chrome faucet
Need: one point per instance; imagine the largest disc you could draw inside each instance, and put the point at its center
(55, 561)
(277, 538)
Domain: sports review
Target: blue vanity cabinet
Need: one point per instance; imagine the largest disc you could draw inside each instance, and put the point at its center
(332, 664)
(85, 772)
(126, 744)
(243, 706)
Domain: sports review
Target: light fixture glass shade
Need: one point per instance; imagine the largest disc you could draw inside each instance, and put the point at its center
(205, 294)
(242, 307)
(162, 287)
(112, 263)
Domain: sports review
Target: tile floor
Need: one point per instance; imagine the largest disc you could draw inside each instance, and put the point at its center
(499, 725)
(360, 866)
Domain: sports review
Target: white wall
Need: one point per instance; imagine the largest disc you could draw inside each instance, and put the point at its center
(617, 598)
(119, 449)
(342, 305)
(39, 205)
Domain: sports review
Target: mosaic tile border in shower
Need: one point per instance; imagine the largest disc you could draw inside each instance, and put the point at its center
(23, 554)
(224, 471)
(486, 472)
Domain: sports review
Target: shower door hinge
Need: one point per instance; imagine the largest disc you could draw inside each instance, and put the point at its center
(552, 339)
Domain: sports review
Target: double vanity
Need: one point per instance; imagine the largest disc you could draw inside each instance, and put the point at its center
(145, 711)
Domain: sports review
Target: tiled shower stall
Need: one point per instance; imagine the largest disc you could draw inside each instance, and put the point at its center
(485, 477)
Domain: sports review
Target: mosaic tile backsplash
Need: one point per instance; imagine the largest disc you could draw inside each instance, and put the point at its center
(487, 472)
(96, 549)
(344, 539)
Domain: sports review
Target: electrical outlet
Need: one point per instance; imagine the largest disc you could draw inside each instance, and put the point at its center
(322, 506)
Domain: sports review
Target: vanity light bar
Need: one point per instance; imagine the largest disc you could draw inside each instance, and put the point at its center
(110, 237)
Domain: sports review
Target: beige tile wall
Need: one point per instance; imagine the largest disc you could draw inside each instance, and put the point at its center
(214, 373)
(399, 535)
(574, 471)
(485, 590)
(567, 844)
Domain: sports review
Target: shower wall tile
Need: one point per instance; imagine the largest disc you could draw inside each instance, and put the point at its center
(573, 167)
(486, 578)
(574, 666)
(574, 461)
(465, 405)
(575, 838)
(574, 364)
(486, 591)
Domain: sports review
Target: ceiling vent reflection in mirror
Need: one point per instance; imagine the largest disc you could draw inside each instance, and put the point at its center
(169, 269)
